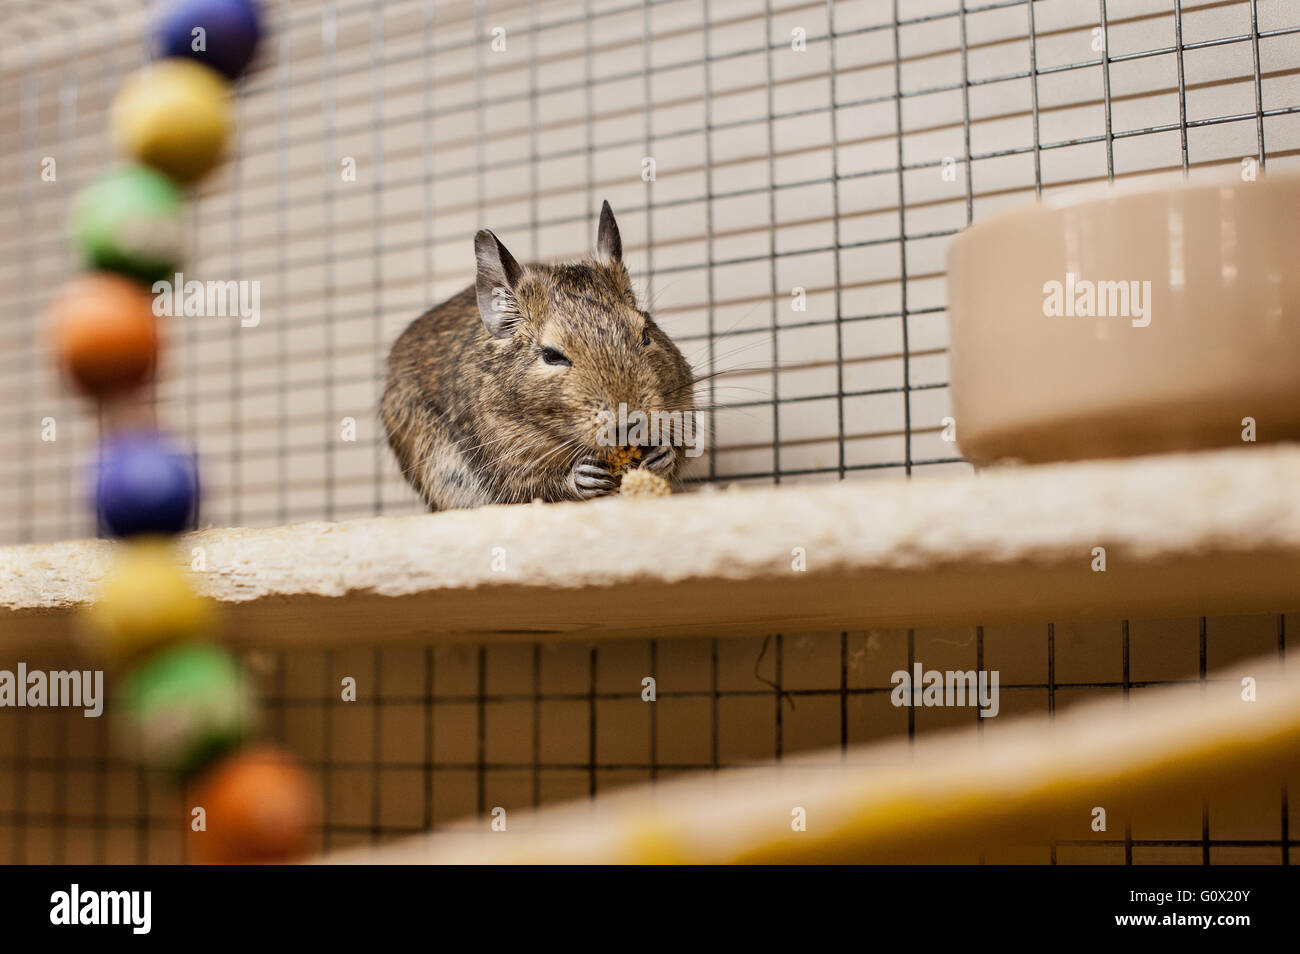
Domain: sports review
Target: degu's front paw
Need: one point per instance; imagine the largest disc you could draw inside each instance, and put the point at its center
(661, 459)
(593, 477)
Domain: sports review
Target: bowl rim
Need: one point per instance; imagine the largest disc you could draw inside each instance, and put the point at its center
(1106, 192)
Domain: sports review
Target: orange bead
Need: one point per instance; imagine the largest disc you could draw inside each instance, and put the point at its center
(258, 806)
(105, 333)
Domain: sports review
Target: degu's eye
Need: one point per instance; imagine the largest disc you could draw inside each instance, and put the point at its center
(552, 356)
(645, 336)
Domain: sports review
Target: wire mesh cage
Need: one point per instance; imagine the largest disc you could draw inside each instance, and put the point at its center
(787, 177)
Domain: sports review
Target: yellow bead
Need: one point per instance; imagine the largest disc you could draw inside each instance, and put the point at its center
(174, 116)
(145, 602)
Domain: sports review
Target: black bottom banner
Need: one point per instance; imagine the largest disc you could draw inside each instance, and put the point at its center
(334, 903)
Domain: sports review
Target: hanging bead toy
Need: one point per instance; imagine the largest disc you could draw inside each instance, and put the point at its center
(184, 704)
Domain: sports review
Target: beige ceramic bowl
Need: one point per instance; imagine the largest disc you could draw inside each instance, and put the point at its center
(1128, 322)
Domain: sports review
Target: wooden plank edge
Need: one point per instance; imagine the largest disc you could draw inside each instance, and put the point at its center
(1211, 533)
(946, 798)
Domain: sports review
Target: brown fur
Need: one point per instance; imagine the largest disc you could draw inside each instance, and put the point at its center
(478, 419)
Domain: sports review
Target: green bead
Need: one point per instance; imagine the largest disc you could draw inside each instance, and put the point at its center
(129, 220)
(183, 707)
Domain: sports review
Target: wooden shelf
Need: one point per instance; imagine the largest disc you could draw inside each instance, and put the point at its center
(1211, 533)
(948, 797)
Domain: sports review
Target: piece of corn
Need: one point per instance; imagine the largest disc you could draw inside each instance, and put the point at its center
(644, 483)
(624, 458)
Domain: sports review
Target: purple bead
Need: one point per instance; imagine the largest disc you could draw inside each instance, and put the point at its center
(145, 485)
(231, 29)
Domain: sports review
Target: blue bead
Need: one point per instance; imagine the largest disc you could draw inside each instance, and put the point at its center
(145, 485)
(231, 29)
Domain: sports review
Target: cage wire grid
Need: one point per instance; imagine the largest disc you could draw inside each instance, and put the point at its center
(905, 107)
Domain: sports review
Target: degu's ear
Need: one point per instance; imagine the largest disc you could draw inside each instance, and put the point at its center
(609, 246)
(497, 281)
